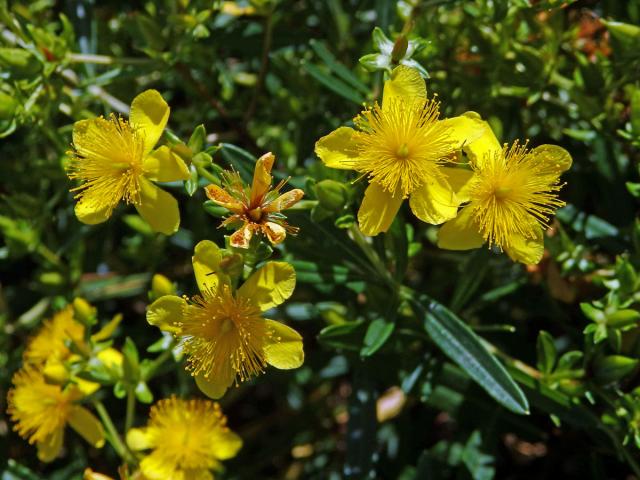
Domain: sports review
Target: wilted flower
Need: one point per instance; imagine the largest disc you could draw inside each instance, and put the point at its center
(187, 439)
(255, 209)
(401, 147)
(114, 161)
(222, 331)
(42, 411)
(511, 196)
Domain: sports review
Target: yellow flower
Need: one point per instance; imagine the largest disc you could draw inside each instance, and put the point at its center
(222, 331)
(511, 196)
(187, 439)
(50, 343)
(49, 348)
(401, 147)
(256, 209)
(114, 161)
(42, 411)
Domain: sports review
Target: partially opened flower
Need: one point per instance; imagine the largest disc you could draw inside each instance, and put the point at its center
(42, 412)
(511, 197)
(58, 343)
(187, 439)
(223, 331)
(256, 209)
(52, 341)
(114, 160)
(402, 148)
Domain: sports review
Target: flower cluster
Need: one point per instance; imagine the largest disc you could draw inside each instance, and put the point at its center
(405, 150)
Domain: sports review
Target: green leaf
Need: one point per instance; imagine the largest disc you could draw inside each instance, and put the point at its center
(338, 68)
(377, 335)
(465, 348)
(334, 84)
(346, 335)
(131, 363)
(239, 159)
(191, 185)
(196, 141)
(613, 368)
(546, 352)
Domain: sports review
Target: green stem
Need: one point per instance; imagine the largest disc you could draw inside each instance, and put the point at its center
(131, 409)
(112, 434)
(208, 175)
(48, 255)
(107, 60)
(157, 363)
(372, 256)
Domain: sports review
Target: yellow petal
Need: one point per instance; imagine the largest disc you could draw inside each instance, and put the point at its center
(270, 285)
(149, 114)
(262, 176)
(553, 160)
(338, 149)
(139, 439)
(158, 208)
(465, 129)
(222, 198)
(87, 425)
(166, 312)
(526, 250)
(225, 444)
(283, 349)
(92, 213)
(483, 146)
(461, 233)
(406, 85)
(163, 165)
(274, 232)
(86, 387)
(459, 179)
(49, 448)
(206, 265)
(284, 201)
(215, 387)
(434, 202)
(378, 209)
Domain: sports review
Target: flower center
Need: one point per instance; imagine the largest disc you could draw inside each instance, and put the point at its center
(402, 145)
(107, 159)
(221, 332)
(512, 195)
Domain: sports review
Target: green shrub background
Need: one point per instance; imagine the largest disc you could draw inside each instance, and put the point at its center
(277, 79)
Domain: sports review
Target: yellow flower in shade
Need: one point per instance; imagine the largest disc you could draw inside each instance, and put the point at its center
(42, 411)
(222, 331)
(255, 209)
(114, 160)
(51, 341)
(187, 439)
(511, 197)
(402, 148)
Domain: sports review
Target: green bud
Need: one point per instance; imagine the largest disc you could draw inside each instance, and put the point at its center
(613, 368)
(52, 279)
(19, 62)
(8, 106)
(332, 195)
(161, 286)
(214, 209)
(84, 311)
(399, 49)
(196, 141)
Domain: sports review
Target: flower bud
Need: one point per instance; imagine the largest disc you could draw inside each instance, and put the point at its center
(161, 285)
(84, 311)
